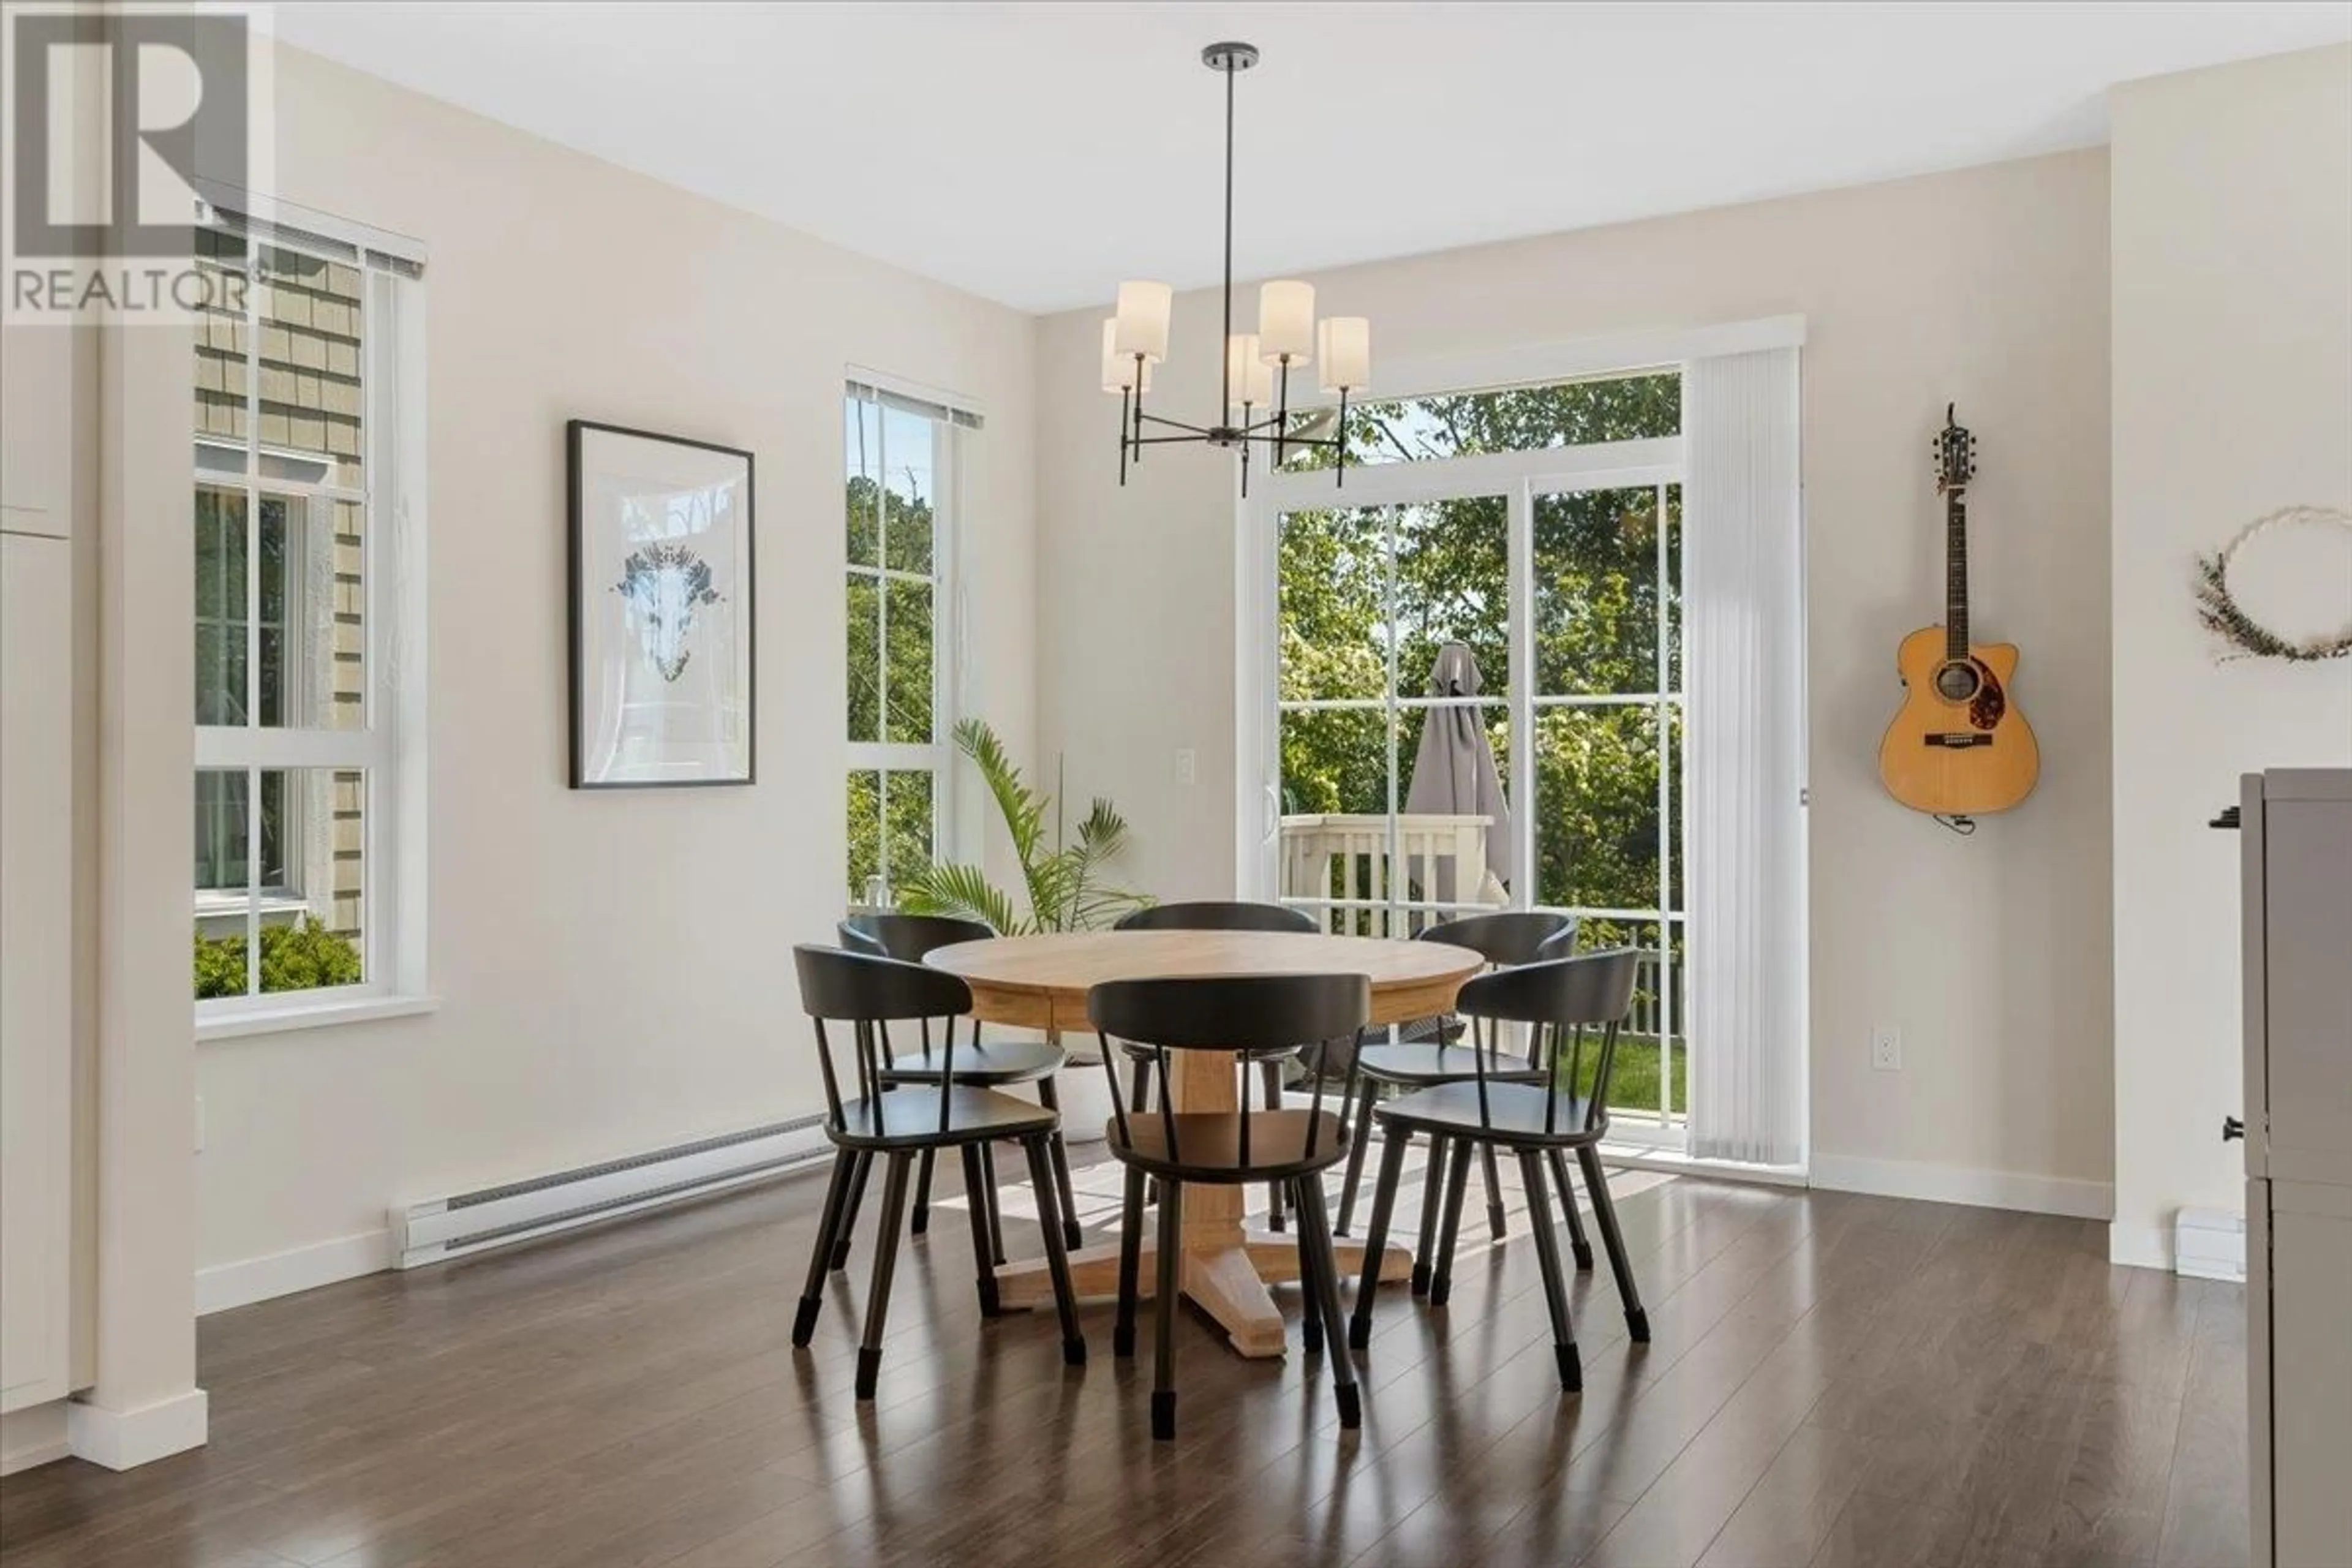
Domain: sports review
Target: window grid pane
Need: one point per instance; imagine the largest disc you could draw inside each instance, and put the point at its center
(280, 614)
(894, 463)
(907, 662)
(1513, 419)
(305, 898)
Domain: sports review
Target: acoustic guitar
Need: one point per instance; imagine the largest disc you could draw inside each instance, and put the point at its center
(1959, 748)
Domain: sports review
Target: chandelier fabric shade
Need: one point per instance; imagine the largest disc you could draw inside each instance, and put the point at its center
(1285, 321)
(1121, 373)
(1343, 347)
(1249, 380)
(1142, 319)
(1255, 375)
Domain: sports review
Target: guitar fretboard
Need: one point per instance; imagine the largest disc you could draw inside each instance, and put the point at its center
(1956, 574)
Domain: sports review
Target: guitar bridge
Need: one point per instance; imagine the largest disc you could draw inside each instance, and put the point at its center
(1957, 739)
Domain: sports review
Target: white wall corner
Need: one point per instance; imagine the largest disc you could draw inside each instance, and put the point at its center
(299, 1268)
(2141, 1246)
(125, 1439)
(2063, 1195)
(34, 1435)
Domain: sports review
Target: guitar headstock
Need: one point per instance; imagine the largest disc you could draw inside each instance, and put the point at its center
(1956, 455)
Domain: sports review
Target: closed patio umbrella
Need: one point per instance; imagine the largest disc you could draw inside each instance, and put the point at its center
(1453, 775)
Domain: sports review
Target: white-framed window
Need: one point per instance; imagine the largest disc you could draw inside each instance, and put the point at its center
(901, 589)
(307, 485)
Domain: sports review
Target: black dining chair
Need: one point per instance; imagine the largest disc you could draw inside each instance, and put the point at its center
(1217, 915)
(868, 1119)
(1429, 1055)
(1241, 1016)
(985, 1063)
(1559, 1001)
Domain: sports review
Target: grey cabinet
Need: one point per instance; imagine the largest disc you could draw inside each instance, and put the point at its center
(2297, 924)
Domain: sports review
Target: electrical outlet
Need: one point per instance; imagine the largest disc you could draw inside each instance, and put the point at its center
(1887, 1048)
(1188, 765)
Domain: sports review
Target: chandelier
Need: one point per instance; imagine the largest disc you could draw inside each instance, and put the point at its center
(1254, 408)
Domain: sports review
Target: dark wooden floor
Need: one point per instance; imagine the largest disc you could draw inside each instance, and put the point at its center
(1834, 1380)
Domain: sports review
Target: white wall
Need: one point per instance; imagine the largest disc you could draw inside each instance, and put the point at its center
(612, 965)
(1988, 286)
(2232, 288)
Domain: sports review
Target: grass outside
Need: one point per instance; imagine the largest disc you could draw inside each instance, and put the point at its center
(1634, 1084)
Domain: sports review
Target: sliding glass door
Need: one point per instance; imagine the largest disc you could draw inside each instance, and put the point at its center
(1468, 684)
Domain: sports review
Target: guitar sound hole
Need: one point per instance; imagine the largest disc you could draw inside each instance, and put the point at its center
(1956, 682)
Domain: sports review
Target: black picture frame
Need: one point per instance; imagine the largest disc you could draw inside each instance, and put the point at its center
(577, 435)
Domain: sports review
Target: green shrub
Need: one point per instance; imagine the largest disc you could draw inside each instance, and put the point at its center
(302, 957)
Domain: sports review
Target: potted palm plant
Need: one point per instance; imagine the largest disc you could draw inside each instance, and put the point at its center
(1063, 883)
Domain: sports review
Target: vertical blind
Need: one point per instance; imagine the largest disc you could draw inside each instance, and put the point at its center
(1744, 599)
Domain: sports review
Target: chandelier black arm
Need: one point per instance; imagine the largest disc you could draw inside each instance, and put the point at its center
(1206, 437)
(1172, 424)
(1288, 441)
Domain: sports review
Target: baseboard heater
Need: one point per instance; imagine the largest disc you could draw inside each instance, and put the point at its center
(441, 1228)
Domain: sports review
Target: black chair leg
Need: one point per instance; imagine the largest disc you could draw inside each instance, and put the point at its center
(1058, 1259)
(1432, 1209)
(992, 1204)
(886, 1260)
(1073, 1236)
(848, 1222)
(1360, 1129)
(1495, 1225)
(1310, 1282)
(1139, 1097)
(1457, 1185)
(1376, 1239)
(976, 1181)
(1130, 1264)
(836, 1195)
(1164, 1311)
(1563, 1332)
(1604, 1215)
(1270, 1076)
(923, 1220)
(1576, 1242)
(1315, 1240)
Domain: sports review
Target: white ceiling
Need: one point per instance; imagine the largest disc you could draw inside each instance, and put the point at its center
(1037, 153)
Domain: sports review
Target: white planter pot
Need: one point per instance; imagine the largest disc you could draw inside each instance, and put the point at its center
(1085, 1098)
(1085, 1102)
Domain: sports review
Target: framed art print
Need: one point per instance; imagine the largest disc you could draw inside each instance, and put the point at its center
(661, 610)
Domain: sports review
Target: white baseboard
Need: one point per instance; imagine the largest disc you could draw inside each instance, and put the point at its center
(125, 1439)
(34, 1435)
(1674, 1163)
(240, 1284)
(1963, 1184)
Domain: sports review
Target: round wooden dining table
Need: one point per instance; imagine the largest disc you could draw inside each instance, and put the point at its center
(1041, 983)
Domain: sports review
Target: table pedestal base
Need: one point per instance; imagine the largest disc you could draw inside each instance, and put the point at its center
(1227, 1281)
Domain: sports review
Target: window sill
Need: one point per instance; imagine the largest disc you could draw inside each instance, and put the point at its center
(231, 1026)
